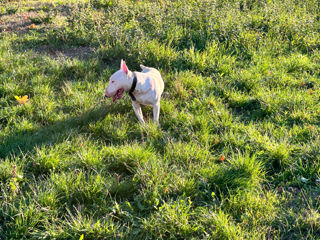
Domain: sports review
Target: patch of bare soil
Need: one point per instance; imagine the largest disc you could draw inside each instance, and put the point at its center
(18, 23)
(32, 16)
(24, 22)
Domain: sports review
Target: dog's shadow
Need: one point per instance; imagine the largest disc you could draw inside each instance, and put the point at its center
(23, 142)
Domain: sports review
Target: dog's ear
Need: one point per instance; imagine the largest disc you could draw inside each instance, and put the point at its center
(123, 66)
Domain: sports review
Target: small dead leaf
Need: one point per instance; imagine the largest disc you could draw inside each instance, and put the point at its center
(216, 140)
(222, 158)
(33, 26)
(310, 92)
(14, 171)
(117, 177)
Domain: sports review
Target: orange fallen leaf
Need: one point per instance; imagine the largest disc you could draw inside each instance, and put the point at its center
(22, 100)
(33, 26)
(222, 158)
(216, 140)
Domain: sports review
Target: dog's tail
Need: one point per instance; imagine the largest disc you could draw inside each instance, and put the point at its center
(143, 67)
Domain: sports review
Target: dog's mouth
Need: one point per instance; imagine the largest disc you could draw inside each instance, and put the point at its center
(118, 94)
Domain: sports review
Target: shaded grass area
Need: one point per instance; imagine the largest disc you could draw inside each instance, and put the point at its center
(237, 152)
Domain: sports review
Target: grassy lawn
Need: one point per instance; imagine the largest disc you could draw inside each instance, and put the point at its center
(237, 153)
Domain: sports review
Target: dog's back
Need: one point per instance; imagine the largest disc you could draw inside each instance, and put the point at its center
(158, 78)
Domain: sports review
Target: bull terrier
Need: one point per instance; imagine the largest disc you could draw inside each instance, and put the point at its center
(144, 87)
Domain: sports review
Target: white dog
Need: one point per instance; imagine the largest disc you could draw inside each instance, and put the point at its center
(144, 88)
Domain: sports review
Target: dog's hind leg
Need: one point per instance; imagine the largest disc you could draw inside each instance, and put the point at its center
(156, 112)
(138, 111)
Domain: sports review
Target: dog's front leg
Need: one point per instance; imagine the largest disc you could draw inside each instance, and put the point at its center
(156, 112)
(137, 109)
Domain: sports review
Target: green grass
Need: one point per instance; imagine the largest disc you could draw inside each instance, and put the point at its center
(241, 82)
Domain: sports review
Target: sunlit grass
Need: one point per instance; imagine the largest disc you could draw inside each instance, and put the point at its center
(236, 155)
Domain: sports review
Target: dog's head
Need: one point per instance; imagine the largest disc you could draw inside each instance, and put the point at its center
(118, 82)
